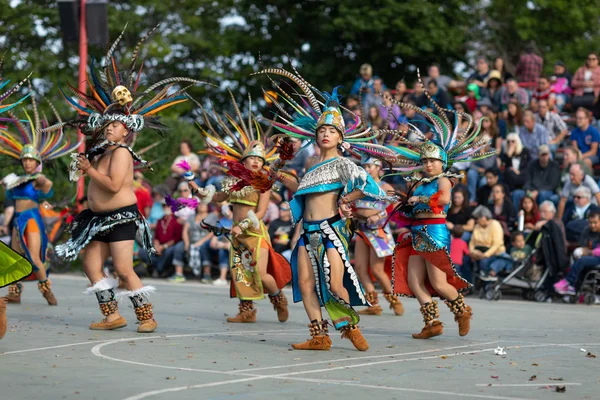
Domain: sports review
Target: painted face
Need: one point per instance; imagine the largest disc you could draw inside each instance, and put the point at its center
(115, 132)
(253, 163)
(432, 166)
(328, 137)
(29, 165)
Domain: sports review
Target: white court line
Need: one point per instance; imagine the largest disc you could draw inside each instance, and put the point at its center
(555, 383)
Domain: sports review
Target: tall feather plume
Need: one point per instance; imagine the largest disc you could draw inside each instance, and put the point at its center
(136, 51)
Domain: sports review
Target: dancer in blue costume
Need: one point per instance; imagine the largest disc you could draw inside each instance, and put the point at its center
(322, 274)
(422, 267)
(32, 148)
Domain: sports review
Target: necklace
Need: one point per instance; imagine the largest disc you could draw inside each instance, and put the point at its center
(164, 226)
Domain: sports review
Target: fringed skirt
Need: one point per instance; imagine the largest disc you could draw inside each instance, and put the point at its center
(379, 238)
(31, 220)
(317, 237)
(89, 224)
(430, 239)
(246, 251)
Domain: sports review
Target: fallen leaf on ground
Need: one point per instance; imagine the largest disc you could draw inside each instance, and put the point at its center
(495, 376)
(170, 378)
(561, 389)
(590, 355)
(443, 357)
(533, 378)
(535, 364)
(556, 379)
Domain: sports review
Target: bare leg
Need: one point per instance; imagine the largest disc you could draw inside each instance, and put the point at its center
(378, 268)
(337, 275)
(417, 271)
(440, 284)
(361, 264)
(307, 282)
(93, 261)
(34, 244)
(267, 279)
(122, 255)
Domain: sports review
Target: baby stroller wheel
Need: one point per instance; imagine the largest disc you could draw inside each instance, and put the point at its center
(540, 296)
(497, 295)
(490, 293)
(589, 298)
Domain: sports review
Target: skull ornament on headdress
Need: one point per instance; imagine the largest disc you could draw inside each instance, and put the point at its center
(122, 95)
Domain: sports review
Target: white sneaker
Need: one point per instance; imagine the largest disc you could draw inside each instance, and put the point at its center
(220, 282)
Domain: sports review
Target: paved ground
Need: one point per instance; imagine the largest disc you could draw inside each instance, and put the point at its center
(49, 353)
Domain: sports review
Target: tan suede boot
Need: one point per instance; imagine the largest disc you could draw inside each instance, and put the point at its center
(105, 325)
(432, 327)
(14, 293)
(353, 333)
(374, 308)
(45, 288)
(108, 306)
(145, 316)
(246, 315)
(280, 304)
(462, 314)
(395, 303)
(320, 337)
(2, 317)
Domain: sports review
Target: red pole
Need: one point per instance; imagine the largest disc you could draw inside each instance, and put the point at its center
(83, 55)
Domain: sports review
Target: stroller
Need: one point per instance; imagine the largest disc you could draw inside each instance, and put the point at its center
(534, 275)
(587, 287)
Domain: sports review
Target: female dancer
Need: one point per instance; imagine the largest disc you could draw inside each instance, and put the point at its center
(321, 269)
(374, 243)
(29, 238)
(255, 267)
(422, 267)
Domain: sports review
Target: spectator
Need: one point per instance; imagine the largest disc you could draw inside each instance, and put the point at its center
(500, 66)
(532, 134)
(281, 232)
(301, 155)
(168, 243)
(530, 65)
(577, 178)
(492, 176)
(489, 126)
(585, 137)
(443, 81)
(544, 91)
(575, 216)
(481, 74)
(515, 159)
(586, 83)
(587, 255)
(485, 105)
(196, 242)
(219, 246)
(548, 214)
(529, 210)
(554, 124)
(502, 209)
(459, 252)
(476, 172)
(472, 96)
(400, 90)
(186, 153)
(438, 95)
(156, 211)
(417, 120)
(504, 263)
(459, 213)
(351, 103)
(487, 240)
(375, 120)
(560, 71)
(493, 88)
(512, 91)
(513, 116)
(572, 156)
(543, 177)
(364, 84)
(390, 113)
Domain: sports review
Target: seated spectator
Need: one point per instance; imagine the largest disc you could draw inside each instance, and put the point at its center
(587, 255)
(142, 194)
(572, 156)
(487, 240)
(438, 95)
(219, 246)
(400, 90)
(484, 192)
(503, 263)
(460, 212)
(532, 134)
(513, 116)
(548, 214)
(512, 91)
(530, 65)
(476, 172)
(503, 209)
(493, 87)
(489, 126)
(364, 84)
(514, 159)
(482, 72)
(186, 151)
(417, 120)
(281, 232)
(301, 155)
(576, 214)
(531, 215)
(544, 91)
(500, 66)
(459, 252)
(577, 178)
(561, 84)
(374, 119)
(156, 211)
(554, 124)
(170, 249)
(585, 137)
(472, 96)
(390, 113)
(461, 106)
(542, 177)
(586, 83)
(444, 82)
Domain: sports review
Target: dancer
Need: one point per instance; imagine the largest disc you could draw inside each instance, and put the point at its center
(422, 267)
(32, 148)
(255, 267)
(374, 243)
(321, 269)
(108, 228)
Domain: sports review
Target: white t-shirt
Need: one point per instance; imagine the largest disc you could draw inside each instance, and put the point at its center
(587, 76)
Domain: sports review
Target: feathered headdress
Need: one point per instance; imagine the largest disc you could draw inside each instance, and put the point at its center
(28, 140)
(312, 109)
(115, 95)
(449, 145)
(8, 93)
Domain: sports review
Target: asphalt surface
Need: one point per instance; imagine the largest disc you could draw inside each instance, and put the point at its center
(49, 353)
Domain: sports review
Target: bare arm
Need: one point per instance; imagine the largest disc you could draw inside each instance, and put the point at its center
(445, 187)
(120, 162)
(185, 235)
(43, 183)
(593, 150)
(561, 207)
(291, 184)
(204, 239)
(263, 204)
(468, 227)
(8, 214)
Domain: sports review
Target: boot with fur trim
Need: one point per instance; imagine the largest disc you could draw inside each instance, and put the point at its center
(395, 303)
(45, 288)
(280, 304)
(14, 293)
(109, 307)
(143, 308)
(374, 308)
(462, 314)
(247, 314)
(432, 327)
(320, 337)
